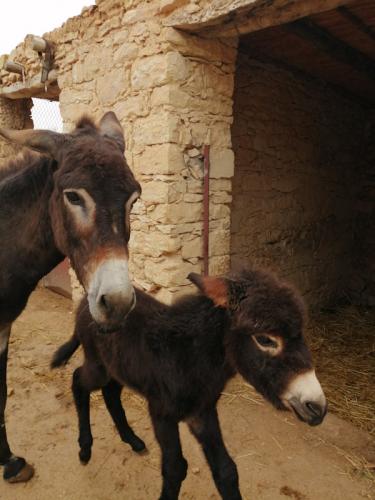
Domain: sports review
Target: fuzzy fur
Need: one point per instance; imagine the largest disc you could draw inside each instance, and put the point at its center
(37, 230)
(180, 357)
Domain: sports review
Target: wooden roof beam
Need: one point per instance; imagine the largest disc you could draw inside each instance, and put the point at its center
(357, 21)
(323, 40)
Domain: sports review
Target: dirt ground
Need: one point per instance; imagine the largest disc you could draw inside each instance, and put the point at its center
(277, 457)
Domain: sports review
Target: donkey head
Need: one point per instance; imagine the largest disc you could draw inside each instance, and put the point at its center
(265, 343)
(93, 193)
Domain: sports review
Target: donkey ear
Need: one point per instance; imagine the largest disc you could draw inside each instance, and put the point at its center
(214, 288)
(109, 126)
(43, 141)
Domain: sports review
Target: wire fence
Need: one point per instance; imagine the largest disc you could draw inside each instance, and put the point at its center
(46, 115)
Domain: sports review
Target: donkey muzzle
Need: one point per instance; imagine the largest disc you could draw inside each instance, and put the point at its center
(309, 411)
(305, 397)
(111, 295)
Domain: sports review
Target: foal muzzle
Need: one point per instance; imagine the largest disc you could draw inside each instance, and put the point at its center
(305, 397)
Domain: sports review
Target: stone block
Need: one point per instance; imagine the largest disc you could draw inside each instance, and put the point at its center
(219, 265)
(219, 211)
(167, 6)
(221, 185)
(192, 248)
(156, 129)
(219, 242)
(222, 163)
(171, 95)
(159, 159)
(157, 244)
(193, 198)
(126, 53)
(110, 87)
(158, 69)
(171, 271)
(72, 112)
(138, 14)
(155, 192)
(131, 107)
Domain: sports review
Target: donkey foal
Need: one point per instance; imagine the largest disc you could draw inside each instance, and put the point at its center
(180, 358)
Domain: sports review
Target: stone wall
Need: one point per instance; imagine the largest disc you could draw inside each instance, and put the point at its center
(13, 114)
(295, 143)
(299, 152)
(362, 284)
(172, 93)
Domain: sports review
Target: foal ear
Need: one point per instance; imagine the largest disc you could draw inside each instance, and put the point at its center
(214, 288)
(109, 126)
(43, 141)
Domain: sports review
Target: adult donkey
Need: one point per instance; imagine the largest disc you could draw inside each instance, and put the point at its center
(73, 200)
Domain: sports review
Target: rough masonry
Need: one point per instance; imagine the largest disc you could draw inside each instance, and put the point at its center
(285, 185)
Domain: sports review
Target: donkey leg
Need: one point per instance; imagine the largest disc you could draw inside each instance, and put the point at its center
(82, 403)
(16, 469)
(174, 465)
(112, 397)
(206, 429)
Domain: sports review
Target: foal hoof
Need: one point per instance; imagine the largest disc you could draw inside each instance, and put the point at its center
(84, 455)
(137, 444)
(17, 470)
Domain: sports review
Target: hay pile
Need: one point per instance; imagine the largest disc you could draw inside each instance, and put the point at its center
(343, 346)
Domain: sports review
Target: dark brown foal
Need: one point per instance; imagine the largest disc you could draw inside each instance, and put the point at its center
(180, 357)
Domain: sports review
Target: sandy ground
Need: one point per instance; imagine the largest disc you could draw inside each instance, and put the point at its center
(277, 457)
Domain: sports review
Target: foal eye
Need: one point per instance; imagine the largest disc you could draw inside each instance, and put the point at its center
(266, 341)
(74, 198)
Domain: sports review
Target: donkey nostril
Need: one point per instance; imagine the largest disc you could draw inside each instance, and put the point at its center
(314, 408)
(104, 302)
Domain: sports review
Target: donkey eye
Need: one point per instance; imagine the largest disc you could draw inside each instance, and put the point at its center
(266, 341)
(74, 198)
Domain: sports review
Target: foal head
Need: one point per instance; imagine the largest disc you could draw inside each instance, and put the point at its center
(265, 343)
(89, 208)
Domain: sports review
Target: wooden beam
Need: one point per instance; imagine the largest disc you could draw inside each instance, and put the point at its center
(323, 40)
(218, 19)
(33, 88)
(357, 21)
(305, 75)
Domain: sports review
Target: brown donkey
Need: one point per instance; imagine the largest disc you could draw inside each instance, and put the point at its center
(73, 200)
(180, 357)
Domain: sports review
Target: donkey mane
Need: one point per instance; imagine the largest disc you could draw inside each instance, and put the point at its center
(85, 122)
(28, 163)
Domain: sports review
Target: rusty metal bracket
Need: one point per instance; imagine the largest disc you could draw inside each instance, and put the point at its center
(46, 52)
(48, 61)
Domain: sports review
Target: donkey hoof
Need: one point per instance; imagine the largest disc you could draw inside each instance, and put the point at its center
(137, 444)
(17, 470)
(85, 455)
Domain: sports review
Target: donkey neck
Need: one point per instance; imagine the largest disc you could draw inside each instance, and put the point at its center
(27, 249)
(190, 329)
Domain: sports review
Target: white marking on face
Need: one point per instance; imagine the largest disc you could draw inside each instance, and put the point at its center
(269, 343)
(128, 207)
(82, 207)
(305, 387)
(114, 228)
(4, 338)
(110, 279)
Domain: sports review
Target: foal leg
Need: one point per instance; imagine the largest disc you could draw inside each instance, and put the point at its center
(174, 465)
(16, 469)
(82, 403)
(112, 397)
(206, 429)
